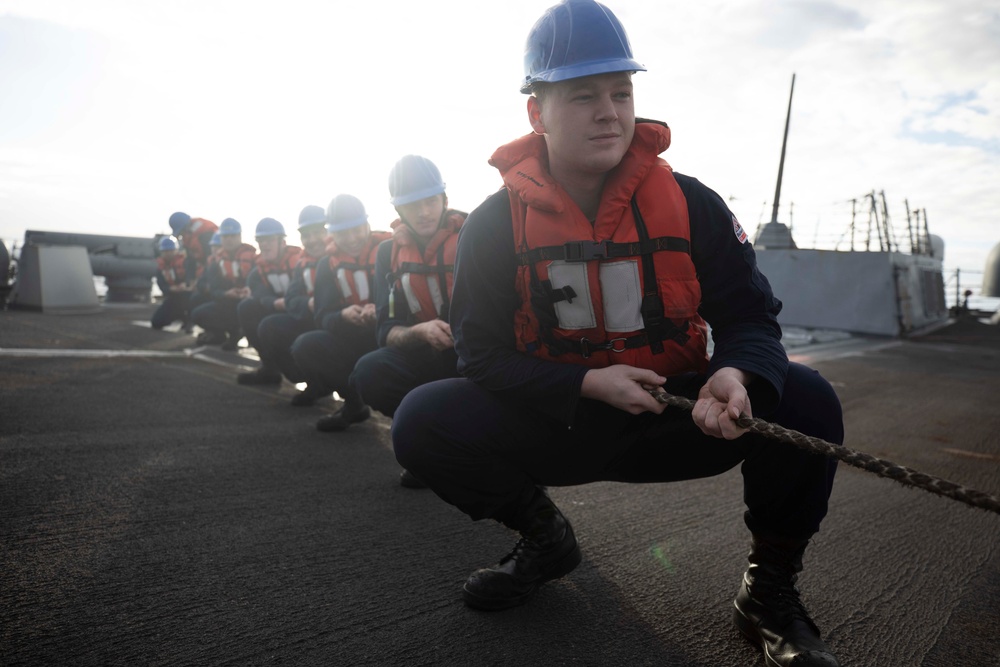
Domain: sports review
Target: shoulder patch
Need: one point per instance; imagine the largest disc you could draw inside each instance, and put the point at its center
(741, 235)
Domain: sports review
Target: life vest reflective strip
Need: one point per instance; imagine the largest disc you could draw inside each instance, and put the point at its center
(278, 275)
(306, 267)
(356, 275)
(308, 270)
(173, 273)
(622, 290)
(425, 278)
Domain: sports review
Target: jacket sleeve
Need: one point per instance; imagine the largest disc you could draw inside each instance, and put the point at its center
(736, 299)
(327, 299)
(217, 282)
(297, 297)
(482, 315)
(383, 293)
(259, 290)
(161, 282)
(190, 268)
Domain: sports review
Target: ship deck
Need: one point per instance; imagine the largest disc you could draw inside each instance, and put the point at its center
(152, 511)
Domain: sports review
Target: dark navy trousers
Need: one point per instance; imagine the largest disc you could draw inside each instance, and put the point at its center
(274, 339)
(218, 315)
(251, 313)
(485, 453)
(385, 376)
(327, 359)
(175, 307)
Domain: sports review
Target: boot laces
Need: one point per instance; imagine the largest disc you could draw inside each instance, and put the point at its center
(786, 600)
(522, 550)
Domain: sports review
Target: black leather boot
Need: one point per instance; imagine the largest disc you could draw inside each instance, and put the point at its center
(547, 550)
(769, 611)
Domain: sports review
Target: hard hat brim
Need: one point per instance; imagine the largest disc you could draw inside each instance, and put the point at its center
(411, 197)
(581, 70)
(346, 224)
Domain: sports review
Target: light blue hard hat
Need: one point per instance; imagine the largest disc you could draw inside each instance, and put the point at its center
(414, 178)
(269, 227)
(311, 215)
(167, 243)
(179, 221)
(345, 212)
(216, 239)
(573, 39)
(230, 227)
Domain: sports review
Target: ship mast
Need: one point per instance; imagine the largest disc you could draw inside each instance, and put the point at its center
(781, 163)
(776, 235)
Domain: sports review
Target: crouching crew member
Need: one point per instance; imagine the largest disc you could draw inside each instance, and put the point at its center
(344, 311)
(579, 286)
(273, 272)
(227, 285)
(170, 278)
(414, 280)
(200, 294)
(279, 331)
(194, 236)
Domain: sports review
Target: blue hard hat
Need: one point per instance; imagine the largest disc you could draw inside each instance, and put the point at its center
(414, 178)
(311, 215)
(167, 243)
(230, 227)
(178, 221)
(345, 212)
(269, 227)
(573, 39)
(216, 239)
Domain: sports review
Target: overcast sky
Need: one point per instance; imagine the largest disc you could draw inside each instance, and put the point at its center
(115, 114)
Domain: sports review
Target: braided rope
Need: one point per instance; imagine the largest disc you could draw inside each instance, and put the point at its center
(881, 467)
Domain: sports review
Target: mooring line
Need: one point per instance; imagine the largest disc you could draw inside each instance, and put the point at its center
(881, 467)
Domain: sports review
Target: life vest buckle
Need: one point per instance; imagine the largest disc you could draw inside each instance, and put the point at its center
(611, 344)
(584, 251)
(616, 345)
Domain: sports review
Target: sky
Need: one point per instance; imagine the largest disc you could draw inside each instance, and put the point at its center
(114, 114)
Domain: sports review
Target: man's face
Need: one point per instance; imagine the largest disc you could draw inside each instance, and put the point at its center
(167, 255)
(230, 242)
(314, 239)
(352, 241)
(270, 247)
(588, 123)
(423, 215)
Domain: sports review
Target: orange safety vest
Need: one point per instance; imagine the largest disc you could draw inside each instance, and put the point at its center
(356, 275)
(237, 267)
(622, 290)
(278, 275)
(190, 238)
(307, 264)
(419, 275)
(173, 273)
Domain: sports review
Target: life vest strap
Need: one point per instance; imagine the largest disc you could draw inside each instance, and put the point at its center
(585, 251)
(416, 267)
(585, 347)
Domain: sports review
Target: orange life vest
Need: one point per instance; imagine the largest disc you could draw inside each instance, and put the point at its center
(356, 275)
(191, 242)
(306, 266)
(419, 276)
(278, 274)
(172, 271)
(237, 266)
(622, 290)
